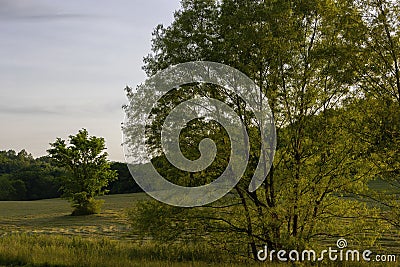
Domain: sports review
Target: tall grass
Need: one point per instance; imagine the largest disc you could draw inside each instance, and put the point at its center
(57, 250)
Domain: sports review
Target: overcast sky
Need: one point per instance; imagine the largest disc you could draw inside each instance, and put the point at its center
(64, 64)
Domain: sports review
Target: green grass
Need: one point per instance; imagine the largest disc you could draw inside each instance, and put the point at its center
(53, 216)
(42, 233)
(380, 185)
(56, 250)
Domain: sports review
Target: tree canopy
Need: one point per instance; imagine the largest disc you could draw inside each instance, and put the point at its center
(86, 162)
(330, 71)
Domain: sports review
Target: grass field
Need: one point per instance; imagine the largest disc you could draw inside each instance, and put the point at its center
(42, 233)
(52, 216)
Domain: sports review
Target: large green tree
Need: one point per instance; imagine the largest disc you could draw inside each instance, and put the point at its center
(302, 56)
(88, 170)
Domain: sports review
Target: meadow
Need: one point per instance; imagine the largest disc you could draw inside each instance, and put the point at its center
(42, 233)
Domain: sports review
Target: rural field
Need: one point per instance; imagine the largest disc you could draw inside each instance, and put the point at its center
(42, 233)
(52, 216)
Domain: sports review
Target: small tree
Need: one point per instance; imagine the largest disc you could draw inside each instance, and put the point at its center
(89, 171)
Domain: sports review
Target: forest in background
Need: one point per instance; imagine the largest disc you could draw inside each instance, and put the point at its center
(23, 177)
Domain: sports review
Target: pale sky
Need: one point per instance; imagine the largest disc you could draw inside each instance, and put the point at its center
(64, 65)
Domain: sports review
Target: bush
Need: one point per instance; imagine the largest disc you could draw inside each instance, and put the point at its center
(91, 206)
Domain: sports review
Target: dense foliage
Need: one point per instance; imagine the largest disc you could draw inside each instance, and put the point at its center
(331, 72)
(23, 177)
(85, 160)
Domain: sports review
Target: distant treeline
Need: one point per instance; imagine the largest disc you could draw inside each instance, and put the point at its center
(23, 177)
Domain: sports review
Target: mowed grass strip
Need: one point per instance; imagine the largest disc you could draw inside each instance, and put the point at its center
(53, 216)
(59, 206)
